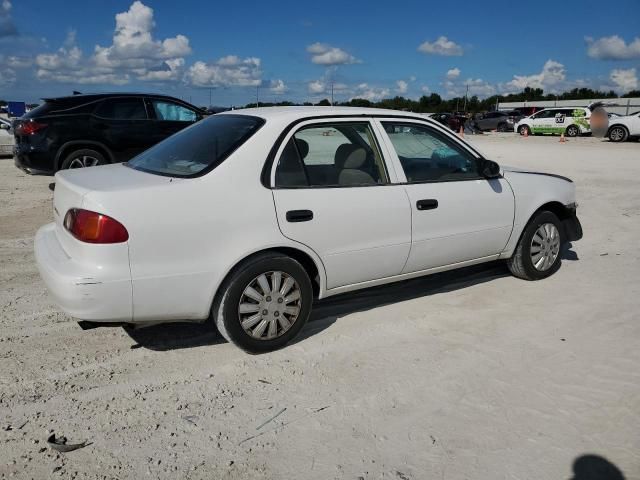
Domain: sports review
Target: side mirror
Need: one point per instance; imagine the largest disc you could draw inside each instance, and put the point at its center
(4, 126)
(490, 169)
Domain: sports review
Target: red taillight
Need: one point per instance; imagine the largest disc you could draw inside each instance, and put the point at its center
(92, 227)
(30, 127)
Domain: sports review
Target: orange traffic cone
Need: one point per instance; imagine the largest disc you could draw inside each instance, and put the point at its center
(461, 132)
(562, 140)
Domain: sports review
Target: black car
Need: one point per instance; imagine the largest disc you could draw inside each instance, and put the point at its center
(88, 130)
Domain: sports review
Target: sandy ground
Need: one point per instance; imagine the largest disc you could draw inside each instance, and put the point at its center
(465, 375)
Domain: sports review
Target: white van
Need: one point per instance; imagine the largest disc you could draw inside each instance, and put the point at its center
(572, 121)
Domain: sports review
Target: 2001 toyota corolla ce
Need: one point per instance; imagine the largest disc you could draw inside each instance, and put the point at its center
(248, 216)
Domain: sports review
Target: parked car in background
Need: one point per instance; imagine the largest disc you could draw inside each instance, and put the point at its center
(527, 111)
(623, 128)
(500, 121)
(452, 120)
(572, 121)
(248, 216)
(88, 130)
(6, 137)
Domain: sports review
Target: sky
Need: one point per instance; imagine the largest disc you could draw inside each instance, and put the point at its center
(291, 50)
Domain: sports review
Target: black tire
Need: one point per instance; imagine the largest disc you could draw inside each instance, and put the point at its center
(572, 131)
(618, 133)
(502, 127)
(83, 156)
(521, 264)
(522, 129)
(224, 311)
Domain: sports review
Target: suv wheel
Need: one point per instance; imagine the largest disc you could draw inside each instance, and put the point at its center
(618, 134)
(572, 131)
(264, 303)
(537, 255)
(83, 158)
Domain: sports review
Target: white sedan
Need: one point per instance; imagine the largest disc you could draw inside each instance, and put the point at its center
(622, 128)
(248, 216)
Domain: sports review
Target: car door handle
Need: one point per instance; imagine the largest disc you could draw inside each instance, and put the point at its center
(294, 216)
(428, 204)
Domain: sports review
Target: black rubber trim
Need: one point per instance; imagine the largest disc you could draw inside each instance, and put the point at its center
(545, 174)
(572, 228)
(266, 169)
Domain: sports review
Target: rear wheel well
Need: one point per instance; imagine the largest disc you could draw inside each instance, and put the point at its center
(66, 151)
(301, 257)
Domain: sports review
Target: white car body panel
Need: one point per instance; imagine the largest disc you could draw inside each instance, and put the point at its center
(186, 235)
(630, 122)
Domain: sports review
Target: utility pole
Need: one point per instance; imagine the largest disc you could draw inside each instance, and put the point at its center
(332, 93)
(465, 98)
(257, 98)
(210, 96)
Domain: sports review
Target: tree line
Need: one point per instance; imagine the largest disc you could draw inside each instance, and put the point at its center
(435, 103)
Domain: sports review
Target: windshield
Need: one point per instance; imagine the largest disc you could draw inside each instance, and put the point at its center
(198, 149)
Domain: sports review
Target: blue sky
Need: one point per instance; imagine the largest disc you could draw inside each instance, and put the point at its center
(289, 50)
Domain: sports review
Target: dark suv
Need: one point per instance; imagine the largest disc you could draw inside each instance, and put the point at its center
(88, 130)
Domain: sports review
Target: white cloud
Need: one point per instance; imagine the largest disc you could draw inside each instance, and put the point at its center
(613, 48)
(370, 93)
(278, 87)
(425, 89)
(401, 87)
(317, 86)
(324, 54)
(624, 80)
(7, 27)
(412, 78)
(442, 46)
(453, 73)
(134, 53)
(226, 72)
(551, 77)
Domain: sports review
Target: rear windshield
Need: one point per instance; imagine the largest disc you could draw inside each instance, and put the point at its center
(198, 149)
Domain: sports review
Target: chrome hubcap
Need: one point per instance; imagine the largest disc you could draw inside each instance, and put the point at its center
(269, 305)
(545, 247)
(83, 161)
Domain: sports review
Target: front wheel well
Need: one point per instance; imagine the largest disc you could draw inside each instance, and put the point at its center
(619, 125)
(556, 208)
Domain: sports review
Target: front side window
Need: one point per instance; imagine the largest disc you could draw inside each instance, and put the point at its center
(199, 148)
(122, 109)
(429, 156)
(329, 155)
(165, 110)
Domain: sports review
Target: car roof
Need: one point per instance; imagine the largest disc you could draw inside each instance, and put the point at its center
(89, 97)
(296, 113)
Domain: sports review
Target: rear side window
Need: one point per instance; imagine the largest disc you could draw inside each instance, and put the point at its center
(122, 109)
(165, 110)
(331, 155)
(198, 149)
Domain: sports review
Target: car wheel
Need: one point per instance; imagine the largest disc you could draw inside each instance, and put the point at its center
(264, 303)
(524, 130)
(572, 131)
(618, 134)
(83, 158)
(537, 255)
(502, 127)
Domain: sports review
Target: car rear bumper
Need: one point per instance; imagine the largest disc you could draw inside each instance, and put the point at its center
(32, 161)
(85, 290)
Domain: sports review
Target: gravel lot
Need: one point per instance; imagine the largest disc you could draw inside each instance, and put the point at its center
(464, 375)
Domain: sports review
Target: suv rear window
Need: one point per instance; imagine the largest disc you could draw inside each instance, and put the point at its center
(198, 149)
(122, 109)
